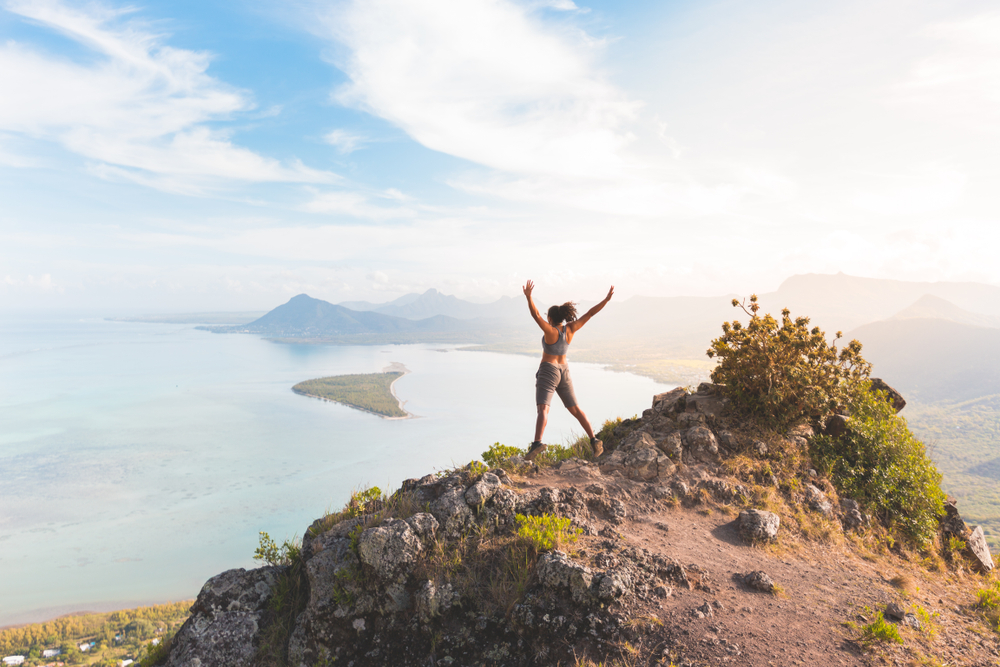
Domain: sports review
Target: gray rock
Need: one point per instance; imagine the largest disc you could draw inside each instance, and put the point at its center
(680, 489)
(710, 406)
(709, 389)
(390, 549)
(424, 526)
(894, 612)
(452, 512)
(911, 621)
(557, 571)
(893, 396)
(433, 600)
(978, 550)
(836, 425)
(817, 500)
(668, 401)
(611, 586)
(225, 620)
(483, 490)
(801, 431)
(758, 525)
(672, 445)
(760, 581)
(705, 610)
(701, 444)
(952, 522)
(686, 420)
(760, 447)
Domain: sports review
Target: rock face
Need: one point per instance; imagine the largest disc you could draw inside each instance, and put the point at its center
(758, 526)
(894, 397)
(978, 550)
(225, 620)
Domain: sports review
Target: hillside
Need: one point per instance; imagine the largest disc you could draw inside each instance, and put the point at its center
(678, 547)
(933, 359)
(304, 316)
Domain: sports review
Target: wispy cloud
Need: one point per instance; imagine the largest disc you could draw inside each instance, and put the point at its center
(484, 81)
(345, 141)
(137, 107)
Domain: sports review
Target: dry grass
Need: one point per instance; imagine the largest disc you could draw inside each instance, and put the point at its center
(904, 583)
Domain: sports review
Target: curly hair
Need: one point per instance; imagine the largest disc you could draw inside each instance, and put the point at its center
(563, 313)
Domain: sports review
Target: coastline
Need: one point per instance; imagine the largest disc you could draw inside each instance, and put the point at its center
(393, 367)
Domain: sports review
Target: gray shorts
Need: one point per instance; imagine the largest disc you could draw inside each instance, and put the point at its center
(554, 378)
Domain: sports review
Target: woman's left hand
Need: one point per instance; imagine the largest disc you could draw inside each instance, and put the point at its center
(610, 293)
(528, 287)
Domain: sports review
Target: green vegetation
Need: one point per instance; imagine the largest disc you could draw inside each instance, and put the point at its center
(288, 599)
(879, 630)
(497, 454)
(546, 532)
(779, 375)
(118, 635)
(988, 604)
(964, 440)
(879, 462)
(370, 392)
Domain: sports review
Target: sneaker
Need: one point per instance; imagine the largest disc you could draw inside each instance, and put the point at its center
(597, 446)
(536, 449)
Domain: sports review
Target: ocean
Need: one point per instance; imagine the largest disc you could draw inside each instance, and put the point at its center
(137, 460)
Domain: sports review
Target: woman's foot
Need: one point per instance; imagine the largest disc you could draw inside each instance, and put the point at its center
(535, 449)
(597, 446)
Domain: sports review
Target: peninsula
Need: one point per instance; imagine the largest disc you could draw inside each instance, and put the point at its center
(370, 392)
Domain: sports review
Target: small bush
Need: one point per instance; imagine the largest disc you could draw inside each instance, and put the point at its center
(546, 532)
(476, 468)
(879, 462)
(781, 374)
(989, 597)
(269, 552)
(497, 454)
(880, 630)
(613, 431)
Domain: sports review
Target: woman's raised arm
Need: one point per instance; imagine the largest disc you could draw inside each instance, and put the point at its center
(529, 287)
(577, 324)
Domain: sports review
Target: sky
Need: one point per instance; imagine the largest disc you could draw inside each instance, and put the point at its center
(227, 155)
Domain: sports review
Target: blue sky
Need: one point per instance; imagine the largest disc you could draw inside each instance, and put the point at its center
(229, 155)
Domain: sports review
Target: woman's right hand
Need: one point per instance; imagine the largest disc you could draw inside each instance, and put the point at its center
(528, 287)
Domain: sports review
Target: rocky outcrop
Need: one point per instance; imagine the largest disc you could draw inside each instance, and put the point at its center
(226, 620)
(893, 396)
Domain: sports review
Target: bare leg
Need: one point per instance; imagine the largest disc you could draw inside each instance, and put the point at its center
(541, 421)
(582, 418)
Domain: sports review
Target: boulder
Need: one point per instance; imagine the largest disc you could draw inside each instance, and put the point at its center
(700, 443)
(452, 512)
(225, 619)
(817, 500)
(390, 549)
(978, 550)
(710, 406)
(672, 446)
(952, 523)
(852, 516)
(894, 612)
(432, 600)
(759, 580)
(424, 526)
(641, 463)
(893, 396)
(758, 525)
(836, 425)
(557, 571)
(483, 490)
(668, 401)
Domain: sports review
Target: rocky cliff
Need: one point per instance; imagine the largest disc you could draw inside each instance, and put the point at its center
(693, 541)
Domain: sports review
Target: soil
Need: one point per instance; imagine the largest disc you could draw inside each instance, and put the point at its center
(823, 588)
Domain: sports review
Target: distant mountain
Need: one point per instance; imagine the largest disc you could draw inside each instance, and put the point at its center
(932, 359)
(933, 307)
(841, 302)
(432, 302)
(304, 316)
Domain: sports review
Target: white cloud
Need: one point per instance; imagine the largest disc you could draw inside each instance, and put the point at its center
(484, 81)
(137, 107)
(345, 141)
(356, 205)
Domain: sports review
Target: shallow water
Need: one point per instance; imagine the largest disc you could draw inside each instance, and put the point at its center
(137, 460)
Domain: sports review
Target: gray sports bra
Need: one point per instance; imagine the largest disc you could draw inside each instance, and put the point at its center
(558, 348)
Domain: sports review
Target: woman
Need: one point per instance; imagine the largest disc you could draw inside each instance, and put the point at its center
(553, 373)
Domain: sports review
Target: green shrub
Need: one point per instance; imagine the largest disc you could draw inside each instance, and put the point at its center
(477, 468)
(497, 454)
(879, 462)
(546, 532)
(989, 598)
(613, 431)
(780, 374)
(880, 630)
(269, 552)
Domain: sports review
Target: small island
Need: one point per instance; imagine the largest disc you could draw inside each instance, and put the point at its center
(370, 392)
